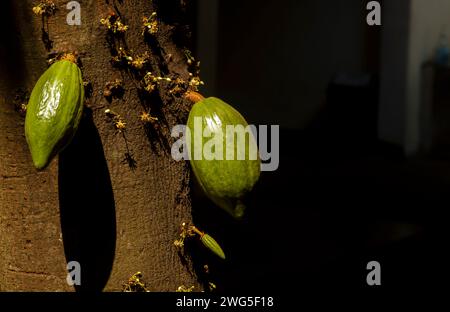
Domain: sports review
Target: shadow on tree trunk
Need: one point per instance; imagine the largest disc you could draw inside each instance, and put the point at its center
(12, 65)
(88, 217)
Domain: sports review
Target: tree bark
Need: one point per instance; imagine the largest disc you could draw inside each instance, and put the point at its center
(112, 201)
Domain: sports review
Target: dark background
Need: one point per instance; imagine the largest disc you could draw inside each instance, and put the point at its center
(361, 177)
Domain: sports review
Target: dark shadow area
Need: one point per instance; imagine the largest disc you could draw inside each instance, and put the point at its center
(317, 221)
(228, 232)
(48, 43)
(158, 132)
(170, 11)
(129, 157)
(178, 15)
(158, 61)
(87, 207)
(12, 66)
(340, 199)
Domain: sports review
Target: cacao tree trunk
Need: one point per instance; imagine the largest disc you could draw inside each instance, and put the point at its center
(112, 201)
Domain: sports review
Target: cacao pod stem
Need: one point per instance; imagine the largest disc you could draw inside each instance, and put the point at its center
(71, 57)
(194, 97)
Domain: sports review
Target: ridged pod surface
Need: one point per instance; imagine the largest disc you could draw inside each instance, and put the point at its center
(212, 245)
(54, 111)
(228, 179)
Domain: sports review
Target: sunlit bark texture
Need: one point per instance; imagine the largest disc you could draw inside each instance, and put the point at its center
(112, 200)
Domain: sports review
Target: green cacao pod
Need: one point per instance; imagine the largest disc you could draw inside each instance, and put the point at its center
(233, 167)
(212, 245)
(54, 111)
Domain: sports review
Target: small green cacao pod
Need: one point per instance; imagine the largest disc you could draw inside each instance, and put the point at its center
(54, 111)
(233, 165)
(212, 245)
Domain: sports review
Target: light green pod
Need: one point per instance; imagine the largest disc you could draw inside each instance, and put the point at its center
(54, 111)
(212, 245)
(233, 167)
